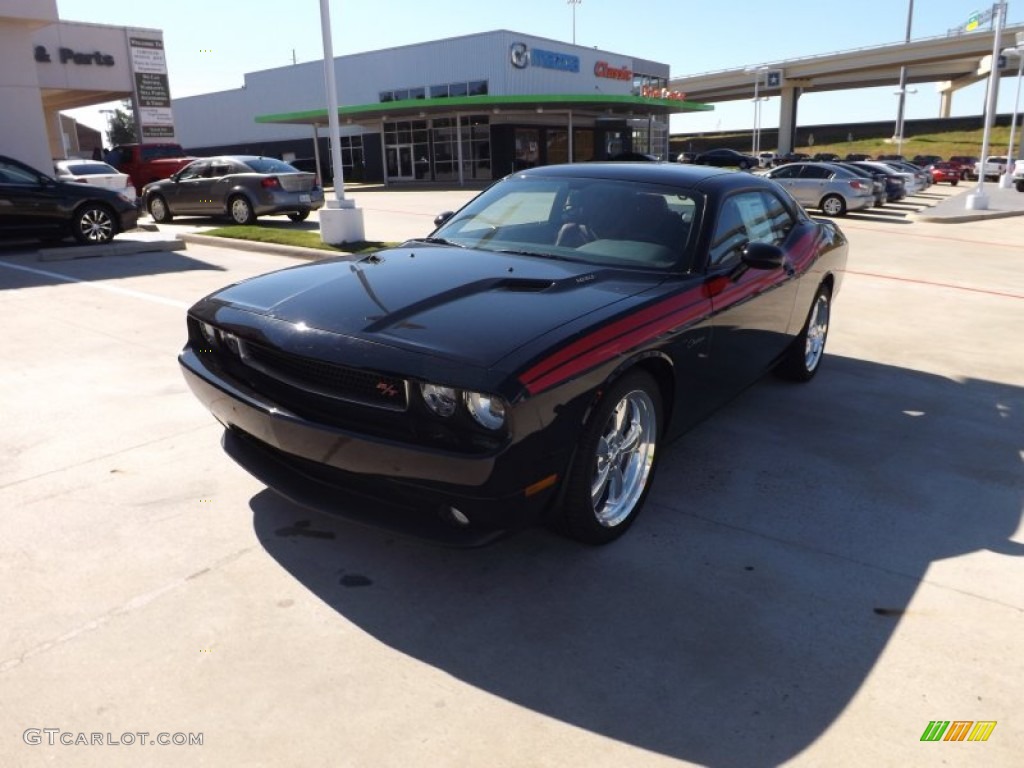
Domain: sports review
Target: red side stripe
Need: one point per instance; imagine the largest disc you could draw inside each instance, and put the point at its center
(614, 339)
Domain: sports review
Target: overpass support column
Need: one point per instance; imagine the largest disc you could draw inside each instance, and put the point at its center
(946, 91)
(790, 94)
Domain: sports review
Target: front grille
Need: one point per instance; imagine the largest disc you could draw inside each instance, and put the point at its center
(327, 379)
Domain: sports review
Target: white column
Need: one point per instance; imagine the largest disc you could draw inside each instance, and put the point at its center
(340, 220)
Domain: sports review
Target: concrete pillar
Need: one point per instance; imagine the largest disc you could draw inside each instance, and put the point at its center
(946, 91)
(790, 95)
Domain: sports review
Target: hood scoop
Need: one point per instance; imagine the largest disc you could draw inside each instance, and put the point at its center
(523, 285)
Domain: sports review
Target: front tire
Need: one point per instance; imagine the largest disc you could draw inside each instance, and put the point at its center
(94, 225)
(833, 205)
(159, 211)
(803, 358)
(240, 210)
(615, 460)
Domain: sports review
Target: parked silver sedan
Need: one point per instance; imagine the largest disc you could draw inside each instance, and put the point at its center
(832, 189)
(239, 186)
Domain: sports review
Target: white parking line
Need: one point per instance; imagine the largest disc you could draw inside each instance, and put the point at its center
(152, 297)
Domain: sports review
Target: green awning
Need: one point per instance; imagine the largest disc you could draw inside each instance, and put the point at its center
(597, 105)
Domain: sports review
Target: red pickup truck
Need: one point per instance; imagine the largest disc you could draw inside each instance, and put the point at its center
(146, 163)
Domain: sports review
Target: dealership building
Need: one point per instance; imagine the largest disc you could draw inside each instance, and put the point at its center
(48, 65)
(462, 109)
(470, 108)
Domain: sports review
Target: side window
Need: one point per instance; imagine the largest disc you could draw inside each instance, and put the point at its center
(194, 171)
(730, 234)
(815, 172)
(13, 174)
(786, 172)
(748, 217)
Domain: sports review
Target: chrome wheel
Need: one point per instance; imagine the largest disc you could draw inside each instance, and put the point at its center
(94, 225)
(833, 206)
(624, 457)
(158, 210)
(817, 331)
(241, 211)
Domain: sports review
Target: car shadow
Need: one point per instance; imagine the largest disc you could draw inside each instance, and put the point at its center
(21, 272)
(784, 540)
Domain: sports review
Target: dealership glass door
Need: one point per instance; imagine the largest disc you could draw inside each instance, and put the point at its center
(400, 162)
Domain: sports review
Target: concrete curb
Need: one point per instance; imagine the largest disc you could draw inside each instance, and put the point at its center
(311, 254)
(114, 248)
(962, 218)
(953, 210)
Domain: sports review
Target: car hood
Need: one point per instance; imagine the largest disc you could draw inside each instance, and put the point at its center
(461, 304)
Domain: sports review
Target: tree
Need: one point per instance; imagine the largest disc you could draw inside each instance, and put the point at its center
(121, 125)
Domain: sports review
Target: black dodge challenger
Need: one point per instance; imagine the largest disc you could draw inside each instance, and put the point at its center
(527, 361)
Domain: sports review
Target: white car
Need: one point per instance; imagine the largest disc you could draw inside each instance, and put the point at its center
(994, 167)
(767, 159)
(95, 172)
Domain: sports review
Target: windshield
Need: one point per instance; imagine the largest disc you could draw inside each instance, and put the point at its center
(605, 222)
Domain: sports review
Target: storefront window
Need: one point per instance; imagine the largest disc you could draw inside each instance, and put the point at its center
(557, 146)
(527, 148)
(582, 145)
(428, 150)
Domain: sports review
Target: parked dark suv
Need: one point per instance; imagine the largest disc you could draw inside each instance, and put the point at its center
(34, 205)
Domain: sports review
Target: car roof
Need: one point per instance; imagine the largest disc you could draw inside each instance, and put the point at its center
(670, 174)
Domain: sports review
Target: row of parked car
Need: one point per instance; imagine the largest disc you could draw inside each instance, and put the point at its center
(93, 201)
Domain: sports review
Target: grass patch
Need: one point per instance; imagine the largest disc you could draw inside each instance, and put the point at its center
(303, 238)
(944, 144)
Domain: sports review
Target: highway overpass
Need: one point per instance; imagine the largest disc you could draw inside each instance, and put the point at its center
(953, 62)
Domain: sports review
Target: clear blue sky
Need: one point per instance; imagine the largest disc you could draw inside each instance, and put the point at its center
(248, 35)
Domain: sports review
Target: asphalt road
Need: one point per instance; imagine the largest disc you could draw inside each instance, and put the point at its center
(822, 570)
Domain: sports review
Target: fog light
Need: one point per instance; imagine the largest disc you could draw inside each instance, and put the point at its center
(457, 516)
(440, 400)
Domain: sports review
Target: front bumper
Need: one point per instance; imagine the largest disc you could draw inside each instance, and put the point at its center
(128, 219)
(370, 480)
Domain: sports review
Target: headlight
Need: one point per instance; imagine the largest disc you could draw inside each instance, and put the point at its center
(487, 410)
(209, 333)
(440, 400)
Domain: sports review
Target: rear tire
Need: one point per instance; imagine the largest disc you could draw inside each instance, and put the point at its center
(803, 358)
(298, 215)
(240, 210)
(833, 205)
(615, 461)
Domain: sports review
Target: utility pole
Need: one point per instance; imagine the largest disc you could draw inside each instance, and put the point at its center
(903, 86)
(574, 3)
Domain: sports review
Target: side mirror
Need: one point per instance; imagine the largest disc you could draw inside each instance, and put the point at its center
(441, 218)
(763, 256)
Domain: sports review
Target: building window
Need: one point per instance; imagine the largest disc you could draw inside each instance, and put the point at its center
(440, 91)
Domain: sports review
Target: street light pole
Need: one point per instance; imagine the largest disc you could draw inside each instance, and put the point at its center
(978, 200)
(340, 220)
(903, 84)
(574, 3)
(1007, 178)
(755, 136)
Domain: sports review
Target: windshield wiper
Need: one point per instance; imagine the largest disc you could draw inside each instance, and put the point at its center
(436, 241)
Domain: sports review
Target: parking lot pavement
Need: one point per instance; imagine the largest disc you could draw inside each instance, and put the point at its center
(822, 571)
